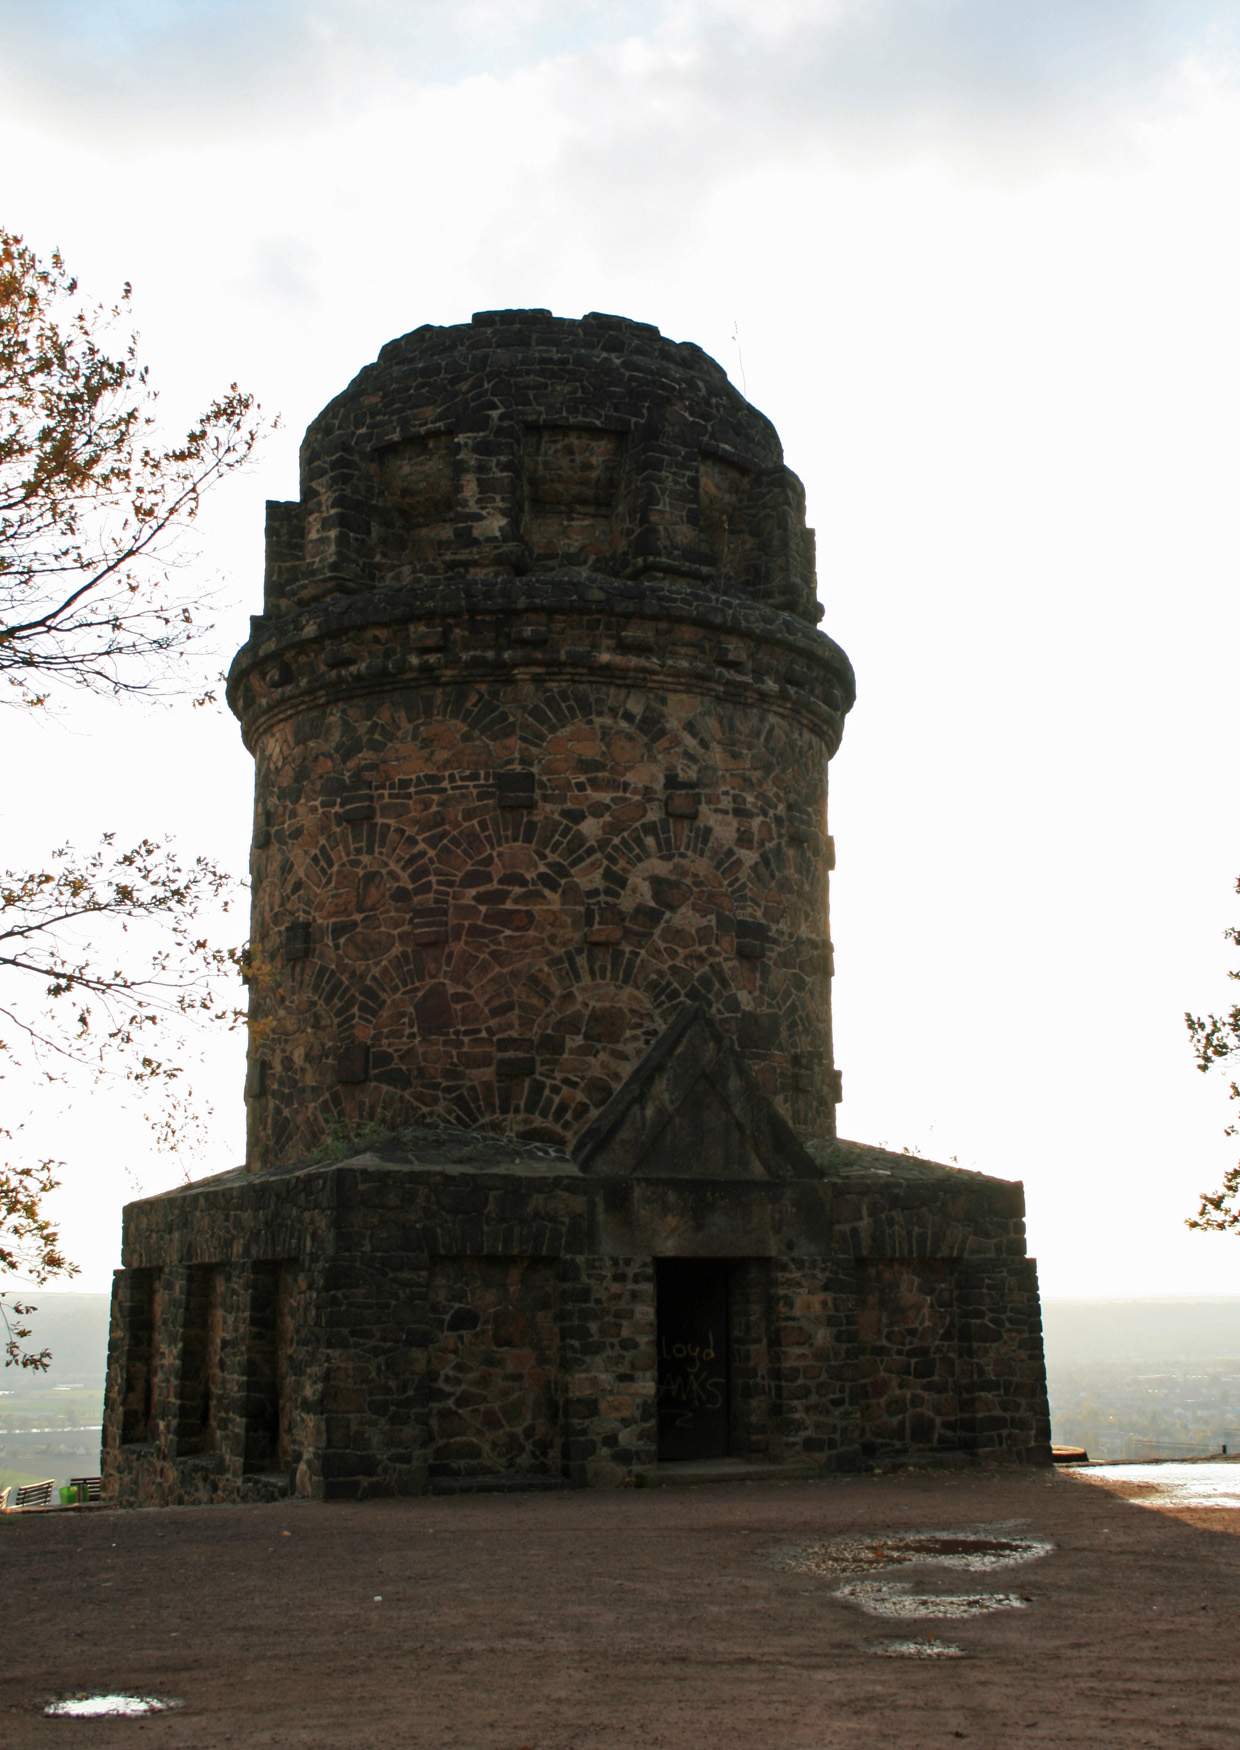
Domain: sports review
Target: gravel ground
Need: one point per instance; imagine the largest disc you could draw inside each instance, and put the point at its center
(917, 1609)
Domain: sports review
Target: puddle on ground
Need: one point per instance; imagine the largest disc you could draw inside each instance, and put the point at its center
(1174, 1485)
(918, 1650)
(976, 1550)
(897, 1600)
(107, 1706)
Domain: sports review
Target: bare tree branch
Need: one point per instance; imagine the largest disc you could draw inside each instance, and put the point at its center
(90, 494)
(106, 953)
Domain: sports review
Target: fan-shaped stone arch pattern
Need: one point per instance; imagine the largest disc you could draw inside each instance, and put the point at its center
(497, 942)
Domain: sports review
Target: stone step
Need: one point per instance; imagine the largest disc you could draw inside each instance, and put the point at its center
(686, 1471)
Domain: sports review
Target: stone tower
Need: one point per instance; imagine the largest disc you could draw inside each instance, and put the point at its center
(541, 724)
(542, 1182)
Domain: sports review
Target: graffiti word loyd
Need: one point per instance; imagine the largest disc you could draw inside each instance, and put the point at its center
(691, 1354)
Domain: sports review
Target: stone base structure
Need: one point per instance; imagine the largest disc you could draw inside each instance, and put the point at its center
(451, 1312)
(543, 1186)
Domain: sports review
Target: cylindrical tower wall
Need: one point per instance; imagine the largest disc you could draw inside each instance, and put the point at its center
(541, 728)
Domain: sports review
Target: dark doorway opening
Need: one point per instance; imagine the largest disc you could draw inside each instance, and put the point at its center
(693, 1365)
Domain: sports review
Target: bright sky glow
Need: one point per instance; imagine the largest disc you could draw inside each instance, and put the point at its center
(983, 267)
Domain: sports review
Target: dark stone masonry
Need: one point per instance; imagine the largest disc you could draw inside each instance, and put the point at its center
(543, 1184)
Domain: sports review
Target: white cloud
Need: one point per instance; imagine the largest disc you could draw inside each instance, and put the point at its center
(878, 76)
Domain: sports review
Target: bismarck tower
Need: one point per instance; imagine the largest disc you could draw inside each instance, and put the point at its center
(542, 1182)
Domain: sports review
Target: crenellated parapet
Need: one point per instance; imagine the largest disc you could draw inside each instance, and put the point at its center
(523, 443)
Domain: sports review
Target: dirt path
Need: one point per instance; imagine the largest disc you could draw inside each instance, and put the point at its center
(660, 1618)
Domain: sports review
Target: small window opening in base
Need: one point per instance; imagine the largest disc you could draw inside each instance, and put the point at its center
(693, 1364)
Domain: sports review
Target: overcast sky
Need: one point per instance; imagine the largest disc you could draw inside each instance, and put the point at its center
(979, 261)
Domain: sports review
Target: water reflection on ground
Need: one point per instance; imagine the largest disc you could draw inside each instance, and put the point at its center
(111, 1706)
(897, 1600)
(976, 1549)
(1174, 1485)
(927, 1649)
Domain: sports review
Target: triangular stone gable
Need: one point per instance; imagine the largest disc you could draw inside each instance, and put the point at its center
(692, 1110)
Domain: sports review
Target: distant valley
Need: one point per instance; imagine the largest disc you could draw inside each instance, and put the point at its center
(1141, 1379)
(50, 1423)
